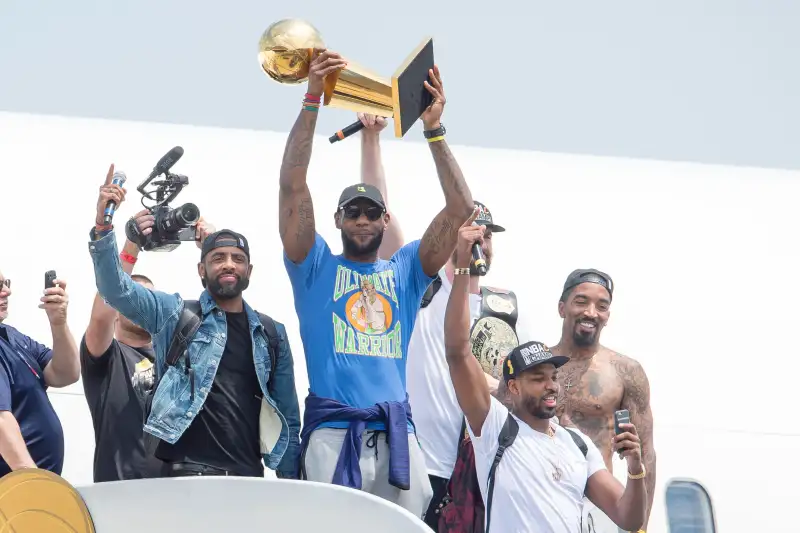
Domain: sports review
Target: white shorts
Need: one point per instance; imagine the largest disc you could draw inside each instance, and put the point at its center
(323, 451)
(593, 520)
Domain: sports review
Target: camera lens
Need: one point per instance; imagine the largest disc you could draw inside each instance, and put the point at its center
(186, 215)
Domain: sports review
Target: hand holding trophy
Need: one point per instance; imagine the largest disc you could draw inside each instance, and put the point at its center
(291, 51)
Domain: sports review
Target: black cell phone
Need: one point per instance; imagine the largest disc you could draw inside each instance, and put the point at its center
(621, 417)
(49, 279)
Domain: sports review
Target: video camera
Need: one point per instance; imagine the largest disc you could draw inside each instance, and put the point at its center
(172, 225)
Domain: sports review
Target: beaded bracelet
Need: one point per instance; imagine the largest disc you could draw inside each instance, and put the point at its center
(311, 102)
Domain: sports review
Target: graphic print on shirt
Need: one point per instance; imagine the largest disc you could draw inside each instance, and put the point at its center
(369, 326)
(143, 377)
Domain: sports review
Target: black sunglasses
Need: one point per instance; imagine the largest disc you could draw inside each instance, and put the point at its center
(6, 282)
(372, 212)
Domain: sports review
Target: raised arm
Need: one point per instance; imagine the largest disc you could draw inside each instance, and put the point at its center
(440, 238)
(296, 211)
(636, 399)
(100, 331)
(372, 173)
(149, 309)
(469, 380)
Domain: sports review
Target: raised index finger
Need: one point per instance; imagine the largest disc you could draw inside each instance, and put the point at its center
(110, 175)
(472, 217)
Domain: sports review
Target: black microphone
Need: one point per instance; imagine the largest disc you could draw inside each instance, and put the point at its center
(477, 258)
(163, 165)
(118, 179)
(166, 162)
(347, 131)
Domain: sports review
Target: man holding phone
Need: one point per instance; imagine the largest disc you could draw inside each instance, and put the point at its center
(30, 431)
(533, 472)
(597, 381)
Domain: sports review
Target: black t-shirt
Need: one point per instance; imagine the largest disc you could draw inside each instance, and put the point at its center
(224, 434)
(115, 385)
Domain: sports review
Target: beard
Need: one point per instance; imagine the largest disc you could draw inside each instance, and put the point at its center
(227, 291)
(534, 406)
(354, 249)
(582, 339)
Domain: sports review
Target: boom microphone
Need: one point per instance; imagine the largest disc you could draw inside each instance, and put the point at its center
(166, 162)
(347, 131)
(163, 165)
(118, 179)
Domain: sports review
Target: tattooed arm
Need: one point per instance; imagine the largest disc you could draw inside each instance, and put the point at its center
(295, 209)
(439, 240)
(636, 399)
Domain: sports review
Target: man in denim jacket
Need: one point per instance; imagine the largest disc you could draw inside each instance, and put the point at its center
(228, 423)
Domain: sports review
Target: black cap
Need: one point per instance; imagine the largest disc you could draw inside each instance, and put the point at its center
(588, 275)
(223, 238)
(485, 219)
(361, 190)
(528, 355)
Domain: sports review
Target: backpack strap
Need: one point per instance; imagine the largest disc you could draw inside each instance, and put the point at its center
(506, 439)
(187, 326)
(273, 340)
(431, 291)
(578, 441)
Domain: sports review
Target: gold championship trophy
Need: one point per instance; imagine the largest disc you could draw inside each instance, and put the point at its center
(285, 51)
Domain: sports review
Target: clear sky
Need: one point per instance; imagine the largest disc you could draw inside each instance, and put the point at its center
(715, 81)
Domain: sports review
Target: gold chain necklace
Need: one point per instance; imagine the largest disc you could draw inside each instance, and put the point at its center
(557, 472)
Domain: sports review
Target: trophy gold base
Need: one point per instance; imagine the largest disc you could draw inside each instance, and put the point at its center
(403, 97)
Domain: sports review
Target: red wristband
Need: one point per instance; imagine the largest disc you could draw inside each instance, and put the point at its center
(128, 258)
(311, 98)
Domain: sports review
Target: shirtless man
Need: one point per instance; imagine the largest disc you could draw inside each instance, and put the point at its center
(598, 381)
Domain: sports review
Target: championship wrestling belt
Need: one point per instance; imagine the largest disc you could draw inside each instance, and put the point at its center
(494, 333)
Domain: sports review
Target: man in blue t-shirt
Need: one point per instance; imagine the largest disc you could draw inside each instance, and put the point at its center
(30, 431)
(357, 312)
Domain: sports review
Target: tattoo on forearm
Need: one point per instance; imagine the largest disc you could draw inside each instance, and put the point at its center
(298, 145)
(305, 217)
(450, 176)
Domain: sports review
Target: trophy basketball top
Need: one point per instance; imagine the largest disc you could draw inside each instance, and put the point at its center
(285, 48)
(285, 51)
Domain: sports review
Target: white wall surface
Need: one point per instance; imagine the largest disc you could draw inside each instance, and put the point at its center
(702, 257)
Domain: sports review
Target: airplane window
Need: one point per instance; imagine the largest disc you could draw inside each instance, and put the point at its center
(689, 508)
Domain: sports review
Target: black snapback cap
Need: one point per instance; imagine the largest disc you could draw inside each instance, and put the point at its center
(223, 238)
(361, 190)
(528, 355)
(588, 275)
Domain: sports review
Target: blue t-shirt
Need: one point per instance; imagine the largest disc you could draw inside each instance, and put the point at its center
(23, 392)
(356, 320)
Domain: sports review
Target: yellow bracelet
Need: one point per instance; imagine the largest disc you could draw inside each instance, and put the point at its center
(462, 271)
(638, 476)
(435, 139)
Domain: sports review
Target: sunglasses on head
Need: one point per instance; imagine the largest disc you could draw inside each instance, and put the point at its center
(372, 212)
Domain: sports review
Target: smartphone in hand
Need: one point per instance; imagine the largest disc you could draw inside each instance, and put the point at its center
(49, 279)
(621, 417)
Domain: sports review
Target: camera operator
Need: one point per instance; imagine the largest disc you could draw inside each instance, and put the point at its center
(540, 479)
(117, 370)
(30, 431)
(235, 400)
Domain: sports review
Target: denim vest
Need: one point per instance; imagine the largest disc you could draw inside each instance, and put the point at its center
(172, 407)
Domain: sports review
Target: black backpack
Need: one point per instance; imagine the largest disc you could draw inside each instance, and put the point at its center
(506, 439)
(187, 326)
